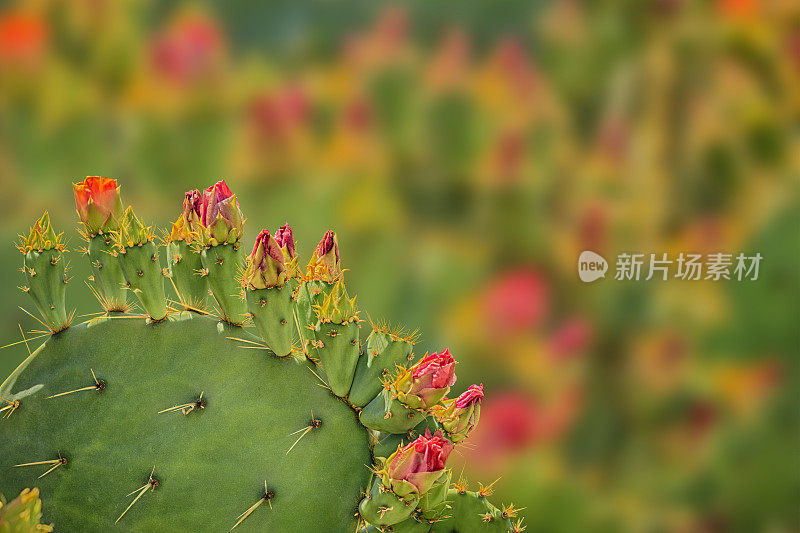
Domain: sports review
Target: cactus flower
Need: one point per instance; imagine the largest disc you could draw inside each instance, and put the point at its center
(415, 468)
(425, 383)
(98, 203)
(220, 215)
(460, 416)
(325, 263)
(265, 266)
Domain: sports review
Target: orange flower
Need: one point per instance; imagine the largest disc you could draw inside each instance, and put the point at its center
(98, 203)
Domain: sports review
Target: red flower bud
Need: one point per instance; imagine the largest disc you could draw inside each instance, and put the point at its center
(212, 198)
(285, 239)
(325, 263)
(425, 383)
(460, 416)
(191, 203)
(98, 203)
(473, 395)
(327, 244)
(220, 214)
(415, 467)
(265, 266)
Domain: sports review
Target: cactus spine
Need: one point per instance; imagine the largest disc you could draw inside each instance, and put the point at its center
(197, 417)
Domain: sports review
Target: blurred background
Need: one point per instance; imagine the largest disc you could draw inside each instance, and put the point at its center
(466, 152)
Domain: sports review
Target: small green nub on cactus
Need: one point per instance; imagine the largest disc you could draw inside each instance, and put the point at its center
(23, 514)
(336, 334)
(337, 306)
(138, 257)
(41, 237)
(99, 204)
(45, 273)
(383, 352)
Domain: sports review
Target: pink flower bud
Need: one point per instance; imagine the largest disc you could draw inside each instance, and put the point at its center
(220, 214)
(212, 200)
(285, 239)
(461, 416)
(327, 244)
(191, 203)
(415, 467)
(473, 395)
(325, 263)
(425, 383)
(265, 266)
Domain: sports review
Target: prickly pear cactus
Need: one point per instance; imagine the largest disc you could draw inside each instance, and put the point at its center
(220, 390)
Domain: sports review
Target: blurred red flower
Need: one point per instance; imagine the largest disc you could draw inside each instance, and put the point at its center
(275, 115)
(188, 50)
(570, 338)
(516, 301)
(512, 422)
(23, 38)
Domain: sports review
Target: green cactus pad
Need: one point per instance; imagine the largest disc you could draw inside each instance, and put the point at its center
(186, 271)
(338, 349)
(109, 283)
(225, 264)
(47, 282)
(272, 312)
(382, 353)
(211, 464)
(187, 422)
(387, 414)
(142, 270)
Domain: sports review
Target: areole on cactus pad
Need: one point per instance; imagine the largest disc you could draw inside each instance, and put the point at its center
(173, 414)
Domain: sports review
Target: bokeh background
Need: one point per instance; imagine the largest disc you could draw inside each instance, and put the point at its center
(466, 152)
